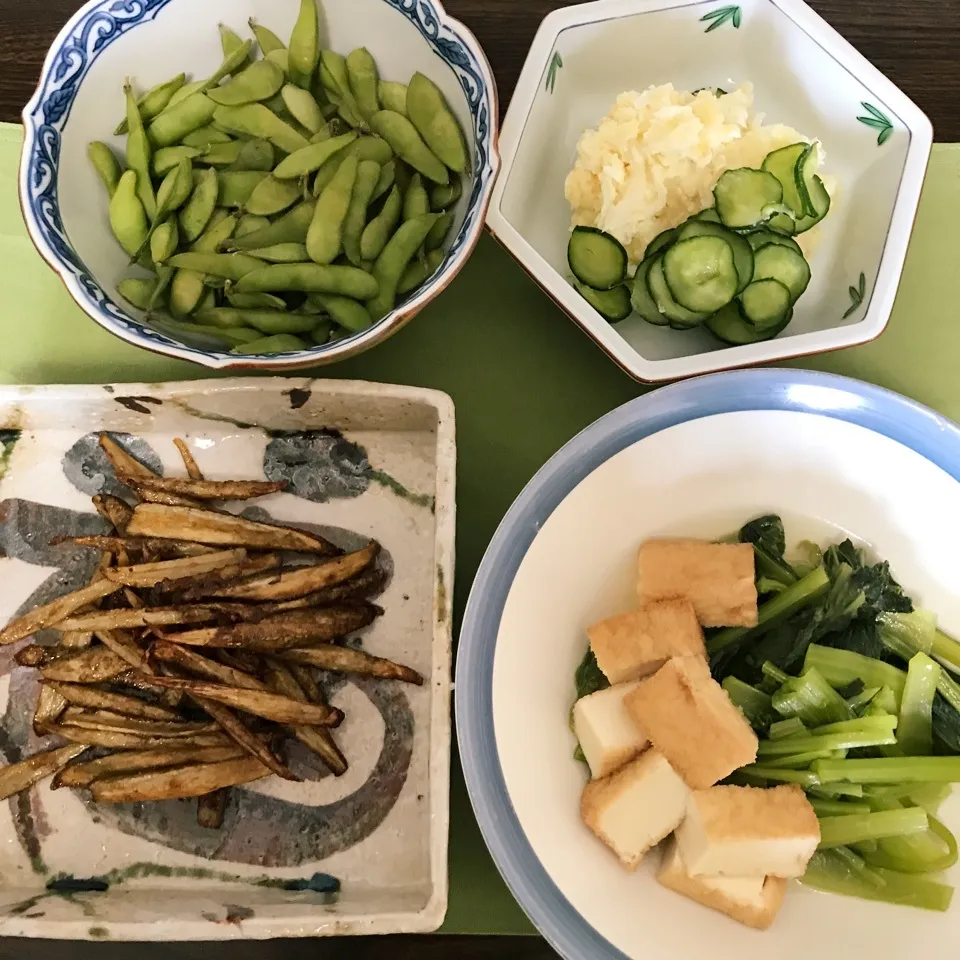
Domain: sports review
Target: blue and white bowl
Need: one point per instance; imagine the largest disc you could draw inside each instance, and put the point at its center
(80, 99)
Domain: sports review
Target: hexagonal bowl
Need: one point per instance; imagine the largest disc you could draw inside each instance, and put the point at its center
(877, 143)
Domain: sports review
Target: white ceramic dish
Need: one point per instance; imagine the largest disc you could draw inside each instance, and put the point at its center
(387, 472)
(804, 75)
(80, 99)
(835, 458)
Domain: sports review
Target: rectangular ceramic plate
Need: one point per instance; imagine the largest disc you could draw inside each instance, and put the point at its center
(362, 459)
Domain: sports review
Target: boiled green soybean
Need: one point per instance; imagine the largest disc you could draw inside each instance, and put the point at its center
(233, 266)
(325, 236)
(393, 96)
(137, 291)
(429, 113)
(282, 253)
(393, 261)
(363, 78)
(250, 223)
(305, 45)
(266, 321)
(128, 220)
(272, 196)
(349, 313)
(310, 278)
(166, 158)
(292, 227)
(256, 120)
(377, 232)
(303, 107)
(444, 196)
(267, 39)
(255, 301)
(197, 211)
(368, 175)
(255, 155)
(106, 164)
(260, 81)
(363, 148)
(153, 102)
(165, 240)
(205, 137)
(177, 121)
(237, 186)
(416, 202)
(407, 144)
(438, 232)
(419, 270)
(139, 154)
(311, 157)
(281, 343)
(388, 174)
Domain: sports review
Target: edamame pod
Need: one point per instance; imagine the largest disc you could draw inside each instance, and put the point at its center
(310, 278)
(166, 158)
(321, 332)
(255, 301)
(442, 197)
(205, 137)
(333, 74)
(363, 79)
(207, 338)
(368, 175)
(349, 313)
(266, 321)
(430, 114)
(255, 155)
(325, 236)
(267, 39)
(255, 120)
(230, 41)
(377, 232)
(250, 223)
(165, 240)
(406, 143)
(260, 81)
(363, 148)
(181, 119)
(418, 271)
(303, 108)
(186, 291)
(175, 189)
(137, 291)
(393, 261)
(282, 253)
(438, 232)
(281, 59)
(187, 90)
(128, 219)
(217, 154)
(197, 211)
(324, 133)
(139, 154)
(415, 201)
(237, 186)
(281, 343)
(311, 157)
(165, 276)
(271, 195)
(233, 266)
(388, 173)
(292, 227)
(232, 62)
(305, 45)
(106, 164)
(153, 102)
(220, 228)
(393, 96)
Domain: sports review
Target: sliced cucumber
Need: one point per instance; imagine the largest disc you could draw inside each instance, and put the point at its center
(596, 258)
(765, 303)
(709, 214)
(775, 262)
(641, 299)
(742, 251)
(729, 326)
(701, 274)
(761, 238)
(660, 241)
(821, 200)
(782, 223)
(663, 298)
(806, 169)
(743, 195)
(782, 164)
(612, 304)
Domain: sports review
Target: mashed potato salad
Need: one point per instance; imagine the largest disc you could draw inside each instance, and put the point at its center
(654, 159)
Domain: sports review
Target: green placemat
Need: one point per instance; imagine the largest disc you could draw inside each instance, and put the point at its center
(524, 380)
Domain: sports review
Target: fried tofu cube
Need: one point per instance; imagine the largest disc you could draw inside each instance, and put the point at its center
(689, 718)
(608, 736)
(753, 901)
(634, 809)
(717, 578)
(636, 644)
(748, 832)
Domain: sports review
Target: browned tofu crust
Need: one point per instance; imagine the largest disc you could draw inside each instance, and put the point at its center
(690, 719)
(759, 915)
(635, 644)
(756, 813)
(717, 578)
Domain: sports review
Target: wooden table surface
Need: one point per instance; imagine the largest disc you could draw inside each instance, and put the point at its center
(916, 43)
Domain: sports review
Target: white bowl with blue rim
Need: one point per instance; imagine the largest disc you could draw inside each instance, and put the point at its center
(804, 74)
(835, 458)
(80, 99)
